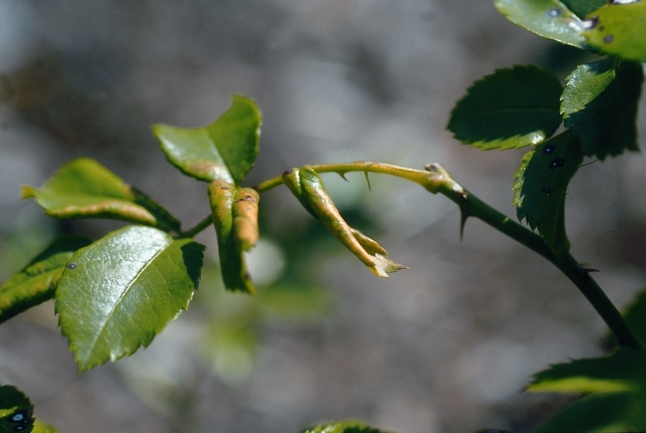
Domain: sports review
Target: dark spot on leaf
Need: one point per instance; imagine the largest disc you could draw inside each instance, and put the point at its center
(557, 162)
(547, 190)
(554, 12)
(602, 28)
(72, 266)
(590, 23)
(550, 148)
(608, 38)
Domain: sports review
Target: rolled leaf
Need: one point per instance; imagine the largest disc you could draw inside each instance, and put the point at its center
(223, 150)
(235, 217)
(37, 281)
(86, 189)
(118, 293)
(308, 188)
(510, 108)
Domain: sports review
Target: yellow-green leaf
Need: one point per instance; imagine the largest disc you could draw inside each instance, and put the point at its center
(222, 150)
(84, 188)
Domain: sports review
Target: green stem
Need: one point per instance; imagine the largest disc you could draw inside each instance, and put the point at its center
(206, 222)
(437, 180)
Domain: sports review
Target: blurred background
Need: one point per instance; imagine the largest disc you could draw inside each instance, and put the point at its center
(446, 346)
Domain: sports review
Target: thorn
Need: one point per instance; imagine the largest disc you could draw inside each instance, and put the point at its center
(585, 269)
(368, 179)
(464, 214)
(342, 174)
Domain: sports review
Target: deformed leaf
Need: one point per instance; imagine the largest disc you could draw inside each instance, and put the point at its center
(37, 281)
(308, 188)
(540, 186)
(118, 293)
(511, 108)
(223, 150)
(15, 411)
(235, 217)
(599, 105)
(547, 18)
(350, 426)
(86, 189)
(618, 29)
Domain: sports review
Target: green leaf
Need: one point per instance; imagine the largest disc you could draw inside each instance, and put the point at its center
(618, 30)
(15, 411)
(618, 382)
(37, 281)
(620, 372)
(222, 150)
(511, 108)
(309, 189)
(635, 316)
(583, 8)
(350, 426)
(540, 186)
(618, 413)
(41, 427)
(118, 293)
(547, 18)
(600, 103)
(86, 189)
(235, 217)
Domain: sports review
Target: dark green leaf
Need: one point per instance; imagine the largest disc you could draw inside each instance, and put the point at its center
(623, 371)
(118, 293)
(547, 18)
(541, 184)
(583, 8)
(223, 150)
(600, 103)
(15, 411)
(618, 413)
(37, 281)
(86, 189)
(619, 30)
(235, 217)
(343, 427)
(509, 109)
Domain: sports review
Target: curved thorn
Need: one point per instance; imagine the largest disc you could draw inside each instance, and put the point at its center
(464, 214)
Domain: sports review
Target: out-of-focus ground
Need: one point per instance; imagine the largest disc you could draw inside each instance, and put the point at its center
(446, 346)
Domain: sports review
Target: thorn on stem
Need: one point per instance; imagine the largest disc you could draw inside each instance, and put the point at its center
(586, 270)
(368, 178)
(464, 214)
(342, 174)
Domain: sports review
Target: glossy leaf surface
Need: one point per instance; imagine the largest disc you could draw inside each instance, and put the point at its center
(547, 18)
(15, 411)
(618, 384)
(308, 188)
(37, 281)
(118, 293)
(619, 30)
(86, 189)
(600, 104)
(223, 150)
(343, 427)
(540, 186)
(235, 217)
(509, 109)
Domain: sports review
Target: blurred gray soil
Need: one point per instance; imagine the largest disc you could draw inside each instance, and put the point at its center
(446, 346)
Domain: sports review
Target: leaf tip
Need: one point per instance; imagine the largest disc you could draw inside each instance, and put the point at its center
(27, 191)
